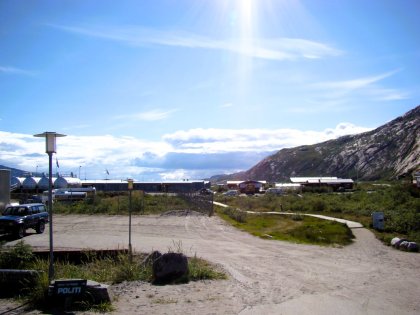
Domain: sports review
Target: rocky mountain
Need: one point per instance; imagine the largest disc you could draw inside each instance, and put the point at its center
(390, 151)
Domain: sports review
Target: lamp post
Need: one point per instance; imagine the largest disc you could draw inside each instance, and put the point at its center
(130, 189)
(50, 148)
(79, 170)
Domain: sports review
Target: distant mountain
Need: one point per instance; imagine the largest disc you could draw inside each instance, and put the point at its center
(14, 171)
(390, 151)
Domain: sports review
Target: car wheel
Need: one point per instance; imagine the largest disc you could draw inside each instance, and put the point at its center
(40, 227)
(20, 231)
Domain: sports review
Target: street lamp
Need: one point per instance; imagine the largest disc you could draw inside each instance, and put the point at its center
(130, 189)
(50, 148)
(79, 170)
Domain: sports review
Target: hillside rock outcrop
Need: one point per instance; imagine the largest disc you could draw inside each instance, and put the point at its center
(388, 152)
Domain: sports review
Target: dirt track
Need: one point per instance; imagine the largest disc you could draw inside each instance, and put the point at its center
(266, 277)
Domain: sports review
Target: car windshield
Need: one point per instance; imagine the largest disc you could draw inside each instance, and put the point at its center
(20, 211)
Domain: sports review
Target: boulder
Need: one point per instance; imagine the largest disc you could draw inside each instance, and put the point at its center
(403, 245)
(412, 247)
(170, 267)
(98, 292)
(398, 243)
(394, 241)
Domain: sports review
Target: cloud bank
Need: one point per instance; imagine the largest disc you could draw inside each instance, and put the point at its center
(185, 154)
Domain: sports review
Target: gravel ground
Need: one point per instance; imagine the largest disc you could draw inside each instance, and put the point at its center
(265, 276)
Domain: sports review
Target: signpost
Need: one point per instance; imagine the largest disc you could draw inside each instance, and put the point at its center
(130, 249)
(69, 287)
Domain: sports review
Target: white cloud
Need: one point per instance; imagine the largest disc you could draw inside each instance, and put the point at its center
(151, 115)
(335, 95)
(13, 70)
(182, 154)
(381, 94)
(244, 140)
(175, 175)
(273, 49)
(349, 85)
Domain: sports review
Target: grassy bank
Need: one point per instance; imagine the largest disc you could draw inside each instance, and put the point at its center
(293, 228)
(400, 203)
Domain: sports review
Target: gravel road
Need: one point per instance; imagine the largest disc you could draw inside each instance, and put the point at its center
(265, 276)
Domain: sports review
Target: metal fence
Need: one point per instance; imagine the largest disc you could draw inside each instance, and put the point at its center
(199, 202)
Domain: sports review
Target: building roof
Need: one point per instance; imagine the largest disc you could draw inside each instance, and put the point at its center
(309, 179)
(279, 185)
(320, 180)
(237, 182)
(119, 181)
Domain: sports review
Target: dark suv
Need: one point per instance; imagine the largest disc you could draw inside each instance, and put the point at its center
(16, 219)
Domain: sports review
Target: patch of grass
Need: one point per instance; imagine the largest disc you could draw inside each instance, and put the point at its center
(322, 232)
(104, 307)
(200, 269)
(164, 301)
(299, 229)
(105, 270)
(117, 203)
(234, 214)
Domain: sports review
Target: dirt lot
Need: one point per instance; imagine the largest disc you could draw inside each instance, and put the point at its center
(265, 277)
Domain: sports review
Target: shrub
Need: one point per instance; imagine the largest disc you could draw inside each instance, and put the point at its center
(235, 214)
(318, 205)
(19, 257)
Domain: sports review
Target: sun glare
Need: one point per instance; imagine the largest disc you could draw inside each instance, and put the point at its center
(246, 40)
(247, 13)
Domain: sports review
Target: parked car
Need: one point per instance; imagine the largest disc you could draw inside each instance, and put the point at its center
(17, 218)
(231, 193)
(206, 191)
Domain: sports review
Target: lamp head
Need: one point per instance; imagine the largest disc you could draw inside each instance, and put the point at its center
(50, 142)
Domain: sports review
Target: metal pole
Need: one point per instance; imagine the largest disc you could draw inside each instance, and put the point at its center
(50, 209)
(212, 205)
(130, 249)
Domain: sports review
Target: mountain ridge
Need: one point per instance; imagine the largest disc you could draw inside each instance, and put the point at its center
(387, 152)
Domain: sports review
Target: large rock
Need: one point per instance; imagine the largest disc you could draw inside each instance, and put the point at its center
(412, 247)
(394, 241)
(403, 245)
(98, 292)
(398, 243)
(170, 267)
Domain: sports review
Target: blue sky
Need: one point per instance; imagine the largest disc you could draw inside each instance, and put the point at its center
(159, 90)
